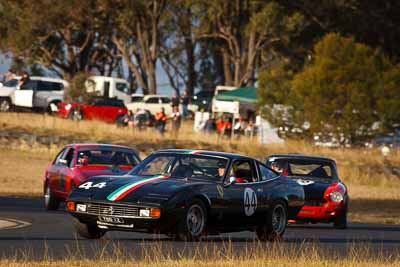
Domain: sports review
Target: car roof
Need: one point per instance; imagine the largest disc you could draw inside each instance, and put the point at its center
(300, 156)
(202, 152)
(48, 79)
(162, 96)
(79, 145)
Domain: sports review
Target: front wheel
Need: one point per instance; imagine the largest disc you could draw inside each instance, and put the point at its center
(275, 224)
(5, 104)
(50, 201)
(340, 222)
(193, 224)
(90, 231)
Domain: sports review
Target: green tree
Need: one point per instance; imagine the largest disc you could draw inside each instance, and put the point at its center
(347, 87)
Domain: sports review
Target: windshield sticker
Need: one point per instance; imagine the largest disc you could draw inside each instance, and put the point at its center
(304, 182)
(124, 190)
(250, 201)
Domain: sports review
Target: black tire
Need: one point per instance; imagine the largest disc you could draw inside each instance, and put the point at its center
(118, 121)
(50, 201)
(275, 224)
(340, 222)
(5, 104)
(89, 231)
(193, 224)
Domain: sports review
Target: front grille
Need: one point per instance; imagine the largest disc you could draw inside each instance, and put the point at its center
(314, 202)
(112, 210)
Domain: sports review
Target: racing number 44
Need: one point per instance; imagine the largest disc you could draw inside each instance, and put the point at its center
(250, 201)
(89, 185)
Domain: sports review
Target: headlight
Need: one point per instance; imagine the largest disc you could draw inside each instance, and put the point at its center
(68, 107)
(144, 213)
(336, 196)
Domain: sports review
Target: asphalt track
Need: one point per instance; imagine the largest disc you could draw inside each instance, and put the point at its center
(51, 234)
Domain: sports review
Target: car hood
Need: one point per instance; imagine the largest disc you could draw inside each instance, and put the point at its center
(131, 189)
(95, 170)
(313, 188)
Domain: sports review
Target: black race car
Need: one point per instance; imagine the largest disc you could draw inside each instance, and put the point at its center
(326, 196)
(186, 193)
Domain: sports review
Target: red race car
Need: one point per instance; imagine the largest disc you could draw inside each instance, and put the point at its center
(97, 108)
(76, 163)
(326, 196)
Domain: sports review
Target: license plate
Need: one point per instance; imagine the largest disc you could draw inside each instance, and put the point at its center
(115, 220)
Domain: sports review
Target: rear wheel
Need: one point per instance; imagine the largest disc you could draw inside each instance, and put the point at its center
(50, 201)
(5, 104)
(275, 224)
(90, 231)
(193, 224)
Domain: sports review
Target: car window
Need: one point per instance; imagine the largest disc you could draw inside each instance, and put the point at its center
(152, 100)
(30, 85)
(49, 86)
(165, 100)
(106, 156)
(136, 98)
(198, 166)
(154, 165)
(59, 156)
(69, 157)
(122, 87)
(243, 170)
(266, 174)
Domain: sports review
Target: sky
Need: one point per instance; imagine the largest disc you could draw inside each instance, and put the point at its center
(162, 79)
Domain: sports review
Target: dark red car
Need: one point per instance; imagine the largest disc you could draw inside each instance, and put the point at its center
(326, 196)
(76, 163)
(98, 108)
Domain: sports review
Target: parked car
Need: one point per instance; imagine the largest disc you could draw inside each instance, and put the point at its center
(76, 163)
(40, 93)
(97, 108)
(326, 196)
(185, 194)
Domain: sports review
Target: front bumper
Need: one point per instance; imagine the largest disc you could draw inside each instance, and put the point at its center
(123, 217)
(325, 212)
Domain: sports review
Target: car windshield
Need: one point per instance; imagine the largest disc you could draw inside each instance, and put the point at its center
(106, 156)
(182, 166)
(307, 168)
(11, 83)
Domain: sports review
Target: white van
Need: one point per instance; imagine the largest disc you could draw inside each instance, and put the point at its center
(109, 87)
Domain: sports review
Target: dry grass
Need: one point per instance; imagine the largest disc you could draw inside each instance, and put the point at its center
(224, 255)
(372, 186)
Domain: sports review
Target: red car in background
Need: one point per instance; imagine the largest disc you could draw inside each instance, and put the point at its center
(326, 196)
(110, 110)
(76, 163)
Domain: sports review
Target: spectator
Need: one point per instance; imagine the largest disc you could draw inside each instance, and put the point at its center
(24, 80)
(209, 126)
(176, 121)
(161, 120)
(249, 130)
(140, 118)
(175, 101)
(128, 119)
(185, 100)
(239, 126)
(9, 75)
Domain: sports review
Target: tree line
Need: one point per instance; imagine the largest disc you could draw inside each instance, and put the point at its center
(203, 43)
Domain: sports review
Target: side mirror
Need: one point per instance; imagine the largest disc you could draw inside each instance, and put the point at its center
(231, 181)
(63, 162)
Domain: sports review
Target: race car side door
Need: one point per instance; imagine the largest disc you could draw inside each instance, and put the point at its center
(243, 196)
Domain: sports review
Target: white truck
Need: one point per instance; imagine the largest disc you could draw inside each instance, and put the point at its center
(219, 106)
(110, 87)
(39, 93)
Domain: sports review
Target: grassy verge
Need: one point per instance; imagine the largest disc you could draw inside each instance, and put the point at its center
(372, 186)
(224, 255)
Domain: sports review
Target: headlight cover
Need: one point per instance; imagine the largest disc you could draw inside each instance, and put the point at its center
(336, 196)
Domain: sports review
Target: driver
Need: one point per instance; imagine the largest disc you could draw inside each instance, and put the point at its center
(221, 169)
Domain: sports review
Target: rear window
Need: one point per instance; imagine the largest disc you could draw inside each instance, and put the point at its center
(49, 86)
(107, 156)
(304, 168)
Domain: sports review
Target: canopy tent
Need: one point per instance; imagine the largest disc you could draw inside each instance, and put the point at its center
(242, 94)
